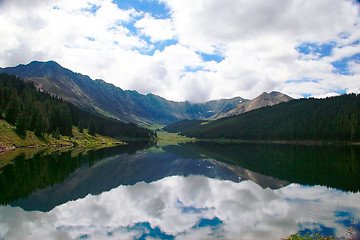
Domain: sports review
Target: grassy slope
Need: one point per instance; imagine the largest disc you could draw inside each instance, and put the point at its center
(165, 138)
(31, 144)
(9, 138)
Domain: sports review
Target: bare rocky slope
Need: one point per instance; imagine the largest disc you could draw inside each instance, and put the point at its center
(263, 100)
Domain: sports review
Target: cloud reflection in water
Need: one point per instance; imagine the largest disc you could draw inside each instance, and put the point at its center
(193, 207)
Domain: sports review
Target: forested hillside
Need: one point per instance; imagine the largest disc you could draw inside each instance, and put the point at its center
(334, 118)
(30, 109)
(184, 125)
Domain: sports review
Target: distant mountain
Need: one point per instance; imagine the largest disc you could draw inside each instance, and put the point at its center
(263, 100)
(99, 96)
(330, 119)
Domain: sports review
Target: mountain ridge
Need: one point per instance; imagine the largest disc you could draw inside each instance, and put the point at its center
(263, 100)
(308, 119)
(105, 98)
(127, 105)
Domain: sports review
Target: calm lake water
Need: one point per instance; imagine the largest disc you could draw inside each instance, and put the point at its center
(187, 191)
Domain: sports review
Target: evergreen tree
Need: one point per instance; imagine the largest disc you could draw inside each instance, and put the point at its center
(21, 124)
(28, 101)
(33, 118)
(67, 121)
(54, 118)
(92, 126)
(1, 108)
(13, 108)
(56, 134)
(81, 126)
(1, 102)
(41, 125)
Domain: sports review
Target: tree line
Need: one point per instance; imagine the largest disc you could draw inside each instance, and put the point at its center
(333, 118)
(28, 108)
(327, 165)
(24, 176)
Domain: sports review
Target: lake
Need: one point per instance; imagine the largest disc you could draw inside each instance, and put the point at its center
(198, 190)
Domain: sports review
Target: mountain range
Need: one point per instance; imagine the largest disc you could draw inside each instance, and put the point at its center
(263, 100)
(130, 106)
(308, 119)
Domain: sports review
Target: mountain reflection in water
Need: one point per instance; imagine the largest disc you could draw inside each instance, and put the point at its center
(188, 191)
(193, 207)
(128, 169)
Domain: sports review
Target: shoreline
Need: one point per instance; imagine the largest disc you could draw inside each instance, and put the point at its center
(10, 140)
(4, 148)
(288, 142)
(7, 156)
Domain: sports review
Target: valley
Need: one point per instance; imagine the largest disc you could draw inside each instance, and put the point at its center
(130, 106)
(270, 117)
(70, 138)
(174, 120)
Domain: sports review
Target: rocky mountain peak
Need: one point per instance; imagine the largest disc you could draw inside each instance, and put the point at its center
(263, 100)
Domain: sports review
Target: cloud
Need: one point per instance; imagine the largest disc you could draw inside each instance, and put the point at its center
(156, 29)
(259, 40)
(33, 225)
(58, 28)
(227, 21)
(160, 72)
(256, 44)
(175, 206)
(23, 4)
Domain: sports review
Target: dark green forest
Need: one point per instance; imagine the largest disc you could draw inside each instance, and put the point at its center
(21, 104)
(328, 165)
(184, 126)
(333, 118)
(24, 176)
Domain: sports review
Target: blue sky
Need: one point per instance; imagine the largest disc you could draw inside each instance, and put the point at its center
(192, 51)
(157, 9)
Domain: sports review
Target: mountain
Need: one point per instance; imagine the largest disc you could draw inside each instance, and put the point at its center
(263, 100)
(28, 108)
(330, 119)
(101, 97)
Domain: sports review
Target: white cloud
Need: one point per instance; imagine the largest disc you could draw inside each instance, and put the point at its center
(56, 31)
(160, 72)
(156, 29)
(354, 67)
(177, 204)
(256, 39)
(260, 40)
(213, 22)
(345, 51)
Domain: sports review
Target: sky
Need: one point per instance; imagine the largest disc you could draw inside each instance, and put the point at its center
(192, 50)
